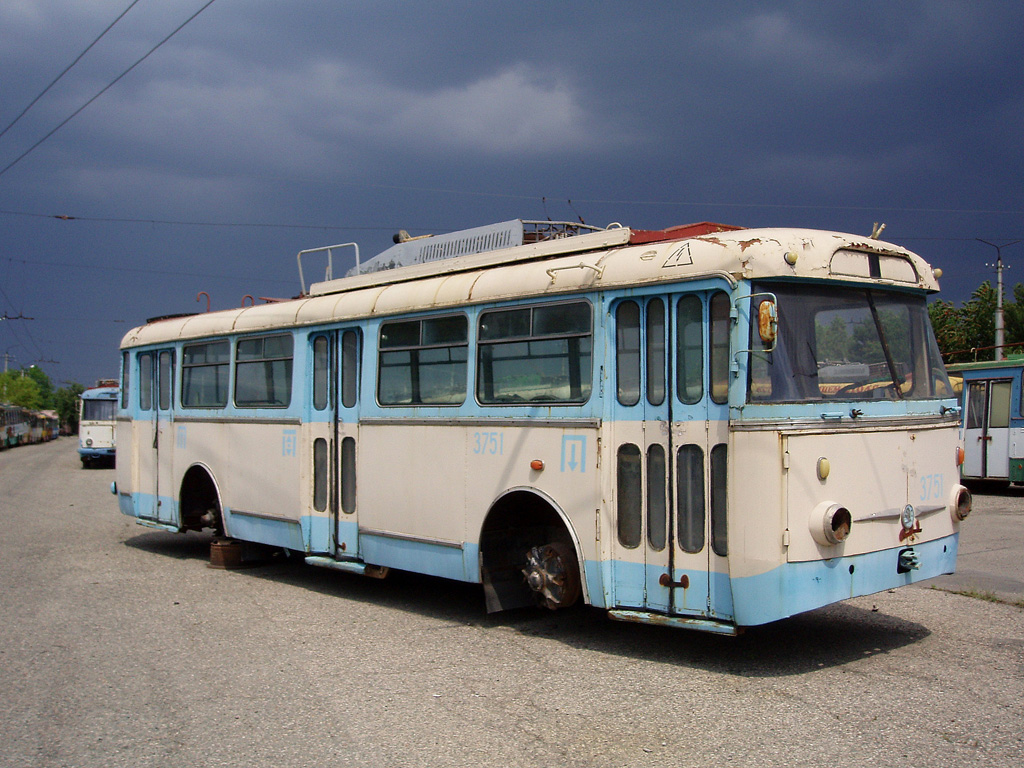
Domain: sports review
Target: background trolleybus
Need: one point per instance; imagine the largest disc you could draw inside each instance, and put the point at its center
(993, 419)
(96, 423)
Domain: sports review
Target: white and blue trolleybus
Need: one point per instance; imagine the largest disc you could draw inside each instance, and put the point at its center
(705, 426)
(97, 411)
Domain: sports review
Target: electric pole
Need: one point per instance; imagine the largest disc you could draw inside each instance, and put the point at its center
(1000, 329)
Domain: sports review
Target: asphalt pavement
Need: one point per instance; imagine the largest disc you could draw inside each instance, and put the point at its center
(990, 561)
(121, 648)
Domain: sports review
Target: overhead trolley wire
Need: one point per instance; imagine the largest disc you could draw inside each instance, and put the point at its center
(106, 88)
(68, 67)
(23, 329)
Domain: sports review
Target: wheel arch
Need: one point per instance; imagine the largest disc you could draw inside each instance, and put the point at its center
(517, 519)
(199, 500)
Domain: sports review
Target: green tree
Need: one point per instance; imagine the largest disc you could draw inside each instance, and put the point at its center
(45, 385)
(968, 332)
(66, 404)
(1013, 320)
(949, 332)
(18, 389)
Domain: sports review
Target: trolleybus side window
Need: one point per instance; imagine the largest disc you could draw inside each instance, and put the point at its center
(423, 362)
(719, 540)
(689, 350)
(146, 381)
(655, 344)
(348, 475)
(535, 354)
(204, 374)
(263, 372)
(350, 368)
(690, 497)
(166, 379)
(125, 377)
(975, 406)
(628, 484)
(627, 352)
(321, 373)
(320, 470)
(657, 503)
(720, 347)
(999, 415)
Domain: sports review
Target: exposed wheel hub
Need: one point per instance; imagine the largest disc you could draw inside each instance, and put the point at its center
(552, 574)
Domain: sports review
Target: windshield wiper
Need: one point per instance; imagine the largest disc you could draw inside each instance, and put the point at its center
(885, 345)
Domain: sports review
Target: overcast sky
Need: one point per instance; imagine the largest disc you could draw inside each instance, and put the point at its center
(264, 127)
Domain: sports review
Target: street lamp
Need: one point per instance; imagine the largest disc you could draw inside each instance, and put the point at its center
(1000, 334)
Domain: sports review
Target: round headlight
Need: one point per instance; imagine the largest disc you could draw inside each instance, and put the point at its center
(88, 441)
(960, 503)
(830, 523)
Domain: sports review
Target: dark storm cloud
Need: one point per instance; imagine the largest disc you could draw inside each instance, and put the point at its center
(380, 115)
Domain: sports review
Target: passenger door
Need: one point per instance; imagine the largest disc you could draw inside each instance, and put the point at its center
(156, 446)
(333, 423)
(321, 442)
(670, 432)
(346, 513)
(640, 416)
(987, 429)
(700, 435)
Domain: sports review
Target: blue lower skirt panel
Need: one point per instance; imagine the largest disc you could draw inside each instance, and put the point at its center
(797, 587)
(276, 533)
(449, 562)
(126, 504)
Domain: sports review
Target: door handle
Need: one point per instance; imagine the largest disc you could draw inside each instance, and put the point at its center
(666, 581)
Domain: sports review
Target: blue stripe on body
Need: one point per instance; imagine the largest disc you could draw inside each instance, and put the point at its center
(277, 533)
(797, 587)
(317, 533)
(140, 501)
(637, 586)
(457, 563)
(834, 409)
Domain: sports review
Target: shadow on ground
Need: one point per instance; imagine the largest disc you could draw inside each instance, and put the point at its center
(826, 638)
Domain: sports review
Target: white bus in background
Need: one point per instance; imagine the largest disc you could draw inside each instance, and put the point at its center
(97, 415)
(706, 426)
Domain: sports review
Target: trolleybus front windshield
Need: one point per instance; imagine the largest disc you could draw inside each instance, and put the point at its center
(99, 410)
(845, 343)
